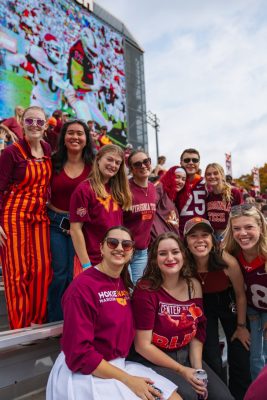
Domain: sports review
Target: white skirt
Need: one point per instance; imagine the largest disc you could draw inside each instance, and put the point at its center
(63, 384)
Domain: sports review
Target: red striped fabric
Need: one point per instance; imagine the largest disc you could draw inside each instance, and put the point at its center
(26, 256)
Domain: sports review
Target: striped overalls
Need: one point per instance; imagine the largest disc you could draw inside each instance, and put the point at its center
(26, 255)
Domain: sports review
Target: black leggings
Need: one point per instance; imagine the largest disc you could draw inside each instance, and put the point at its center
(217, 306)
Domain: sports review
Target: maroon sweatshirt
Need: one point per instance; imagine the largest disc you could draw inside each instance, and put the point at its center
(140, 219)
(98, 321)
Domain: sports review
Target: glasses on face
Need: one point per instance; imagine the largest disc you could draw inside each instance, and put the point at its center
(34, 121)
(194, 160)
(113, 243)
(240, 208)
(138, 164)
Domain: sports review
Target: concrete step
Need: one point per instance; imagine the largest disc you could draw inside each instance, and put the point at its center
(24, 370)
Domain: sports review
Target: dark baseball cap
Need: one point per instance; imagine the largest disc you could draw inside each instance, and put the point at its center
(191, 223)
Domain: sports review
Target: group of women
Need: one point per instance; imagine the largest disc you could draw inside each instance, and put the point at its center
(120, 231)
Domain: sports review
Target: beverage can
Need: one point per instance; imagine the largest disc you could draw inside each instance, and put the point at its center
(201, 375)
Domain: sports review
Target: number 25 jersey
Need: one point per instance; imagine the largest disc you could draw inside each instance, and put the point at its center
(195, 205)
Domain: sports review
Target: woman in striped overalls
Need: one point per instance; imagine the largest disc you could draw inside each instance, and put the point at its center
(24, 229)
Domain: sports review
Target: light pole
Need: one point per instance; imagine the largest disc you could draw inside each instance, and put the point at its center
(153, 120)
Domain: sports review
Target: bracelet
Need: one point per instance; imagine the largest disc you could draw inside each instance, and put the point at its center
(87, 265)
(1, 141)
(241, 325)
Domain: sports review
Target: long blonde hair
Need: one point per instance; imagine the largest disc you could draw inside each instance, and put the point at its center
(226, 189)
(119, 183)
(231, 246)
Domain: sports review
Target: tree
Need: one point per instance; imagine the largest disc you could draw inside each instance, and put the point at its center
(246, 181)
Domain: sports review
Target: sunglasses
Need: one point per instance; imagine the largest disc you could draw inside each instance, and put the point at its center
(34, 121)
(240, 208)
(146, 162)
(113, 243)
(194, 160)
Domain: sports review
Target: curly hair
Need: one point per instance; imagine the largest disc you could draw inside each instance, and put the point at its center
(152, 277)
(225, 188)
(229, 243)
(61, 156)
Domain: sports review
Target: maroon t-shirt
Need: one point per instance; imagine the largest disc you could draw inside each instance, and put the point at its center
(218, 211)
(174, 323)
(140, 219)
(213, 281)
(97, 216)
(98, 321)
(62, 187)
(195, 205)
(255, 278)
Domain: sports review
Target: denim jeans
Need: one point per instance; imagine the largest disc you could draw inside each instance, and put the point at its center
(258, 346)
(62, 253)
(138, 264)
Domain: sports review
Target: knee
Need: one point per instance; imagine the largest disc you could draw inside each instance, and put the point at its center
(187, 393)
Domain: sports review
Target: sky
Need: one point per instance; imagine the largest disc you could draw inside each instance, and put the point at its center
(205, 76)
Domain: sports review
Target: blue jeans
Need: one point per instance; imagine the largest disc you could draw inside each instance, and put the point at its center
(138, 264)
(258, 347)
(62, 253)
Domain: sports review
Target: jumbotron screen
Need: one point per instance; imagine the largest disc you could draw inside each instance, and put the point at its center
(55, 54)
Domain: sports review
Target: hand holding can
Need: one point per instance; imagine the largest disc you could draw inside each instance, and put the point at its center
(202, 376)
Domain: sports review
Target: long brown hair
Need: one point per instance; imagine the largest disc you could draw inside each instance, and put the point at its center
(152, 278)
(125, 275)
(119, 183)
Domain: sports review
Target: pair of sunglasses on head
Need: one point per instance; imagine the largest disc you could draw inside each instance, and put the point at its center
(240, 208)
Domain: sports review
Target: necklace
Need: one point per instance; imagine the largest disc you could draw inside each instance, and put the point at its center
(202, 276)
(116, 286)
(144, 188)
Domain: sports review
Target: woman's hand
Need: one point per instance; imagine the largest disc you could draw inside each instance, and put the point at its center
(142, 387)
(243, 335)
(3, 236)
(189, 375)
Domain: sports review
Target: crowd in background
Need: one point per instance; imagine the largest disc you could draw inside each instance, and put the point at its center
(161, 258)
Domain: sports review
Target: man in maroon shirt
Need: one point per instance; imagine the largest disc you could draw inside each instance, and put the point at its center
(195, 205)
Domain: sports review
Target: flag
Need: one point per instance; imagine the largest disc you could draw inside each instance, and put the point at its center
(256, 179)
(228, 164)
